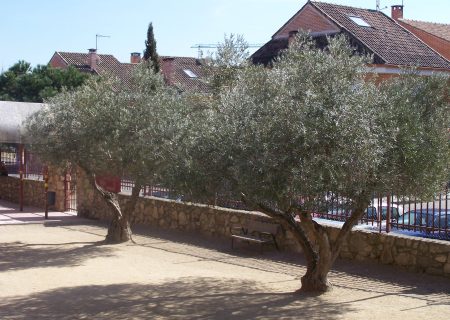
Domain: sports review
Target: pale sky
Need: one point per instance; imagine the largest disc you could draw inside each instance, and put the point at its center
(32, 30)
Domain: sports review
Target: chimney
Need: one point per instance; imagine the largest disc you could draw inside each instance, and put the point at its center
(94, 59)
(292, 35)
(135, 57)
(167, 69)
(397, 12)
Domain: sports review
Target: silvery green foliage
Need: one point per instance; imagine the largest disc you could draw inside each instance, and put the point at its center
(416, 122)
(315, 123)
(108, 128)
(231, 55)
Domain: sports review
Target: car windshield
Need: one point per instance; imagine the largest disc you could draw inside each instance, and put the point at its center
(394, 213)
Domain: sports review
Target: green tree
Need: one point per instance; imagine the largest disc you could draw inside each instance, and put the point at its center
(314, 124)
(150, 53)
(109, 131)
(21, 83)
(221, 67)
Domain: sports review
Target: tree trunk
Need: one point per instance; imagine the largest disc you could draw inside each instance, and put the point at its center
(319, 252)
(119, 228)
(316, 277)
(318, 255)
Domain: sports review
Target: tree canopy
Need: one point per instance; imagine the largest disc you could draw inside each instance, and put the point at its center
(314, 124)
(22, 83)
(150, 53)
(108, 129)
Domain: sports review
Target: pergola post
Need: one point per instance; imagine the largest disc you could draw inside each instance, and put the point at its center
(45, 173)
(21, 168)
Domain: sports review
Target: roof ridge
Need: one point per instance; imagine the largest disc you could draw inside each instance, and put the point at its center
(422, 21)
(175, 57)
(87, 53)
(343, 6)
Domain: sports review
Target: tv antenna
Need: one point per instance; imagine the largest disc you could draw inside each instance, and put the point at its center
(378, 6)
(99, 36)
(200, 46)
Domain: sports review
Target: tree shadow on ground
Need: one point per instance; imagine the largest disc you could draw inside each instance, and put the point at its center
(19, 256)
(366, 276)
(185, 298)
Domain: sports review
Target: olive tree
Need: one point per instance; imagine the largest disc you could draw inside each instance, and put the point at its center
(316, 123)
(107, 128)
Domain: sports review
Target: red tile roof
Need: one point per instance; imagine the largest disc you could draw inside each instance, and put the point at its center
(384, 37)
(171, 67)
(440, 30)
(389, 42)
(185, 73)
(107, 64)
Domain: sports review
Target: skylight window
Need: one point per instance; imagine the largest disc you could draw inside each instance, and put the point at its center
(359, 21)
(190, 73)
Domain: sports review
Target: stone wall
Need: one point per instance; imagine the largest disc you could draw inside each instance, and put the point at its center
(415, 254)
(33, 190)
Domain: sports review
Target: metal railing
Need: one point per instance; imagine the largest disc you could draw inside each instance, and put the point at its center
(409, 215)
(32, 165)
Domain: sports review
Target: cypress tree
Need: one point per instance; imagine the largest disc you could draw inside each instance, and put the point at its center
(150, 49)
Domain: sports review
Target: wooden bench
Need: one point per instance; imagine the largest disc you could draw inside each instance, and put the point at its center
(254, 231)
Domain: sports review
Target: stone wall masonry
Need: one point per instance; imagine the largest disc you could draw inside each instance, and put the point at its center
(412, 253)
(33, 190)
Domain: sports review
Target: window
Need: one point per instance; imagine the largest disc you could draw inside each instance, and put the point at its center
(190, 73)
(359, 21)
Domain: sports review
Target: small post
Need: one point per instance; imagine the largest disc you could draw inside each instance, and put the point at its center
(388, 214)
(21, 160)
(45, 174)
(67, 194)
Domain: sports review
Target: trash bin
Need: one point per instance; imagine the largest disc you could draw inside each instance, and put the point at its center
(51, 198)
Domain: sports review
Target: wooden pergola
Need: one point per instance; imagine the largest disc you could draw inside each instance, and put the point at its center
(12, 117)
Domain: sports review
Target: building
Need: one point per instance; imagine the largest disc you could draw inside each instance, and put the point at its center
(435, 35)
(369, 32)
(183, 73)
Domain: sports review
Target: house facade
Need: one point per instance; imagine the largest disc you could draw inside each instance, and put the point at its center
(371, 32)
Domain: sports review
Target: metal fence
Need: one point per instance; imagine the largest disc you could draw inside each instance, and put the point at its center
(126, 185)
(391, 212)
(385, 213)
(32, 165)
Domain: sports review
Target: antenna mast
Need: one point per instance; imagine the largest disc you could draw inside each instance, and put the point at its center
(99, 36)
(379, 6)
(201, 46)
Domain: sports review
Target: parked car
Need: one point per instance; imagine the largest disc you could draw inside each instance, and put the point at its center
(432, 222)
(373, 212)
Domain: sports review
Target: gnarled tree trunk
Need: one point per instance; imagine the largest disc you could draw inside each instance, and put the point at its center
(119, 229)
(320, 252)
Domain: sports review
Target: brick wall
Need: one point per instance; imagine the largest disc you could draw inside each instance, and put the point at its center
(57, 62)
(308, 19)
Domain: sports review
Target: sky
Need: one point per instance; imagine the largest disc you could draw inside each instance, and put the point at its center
(32, 30)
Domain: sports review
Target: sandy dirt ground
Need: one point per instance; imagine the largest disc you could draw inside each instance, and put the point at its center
(64, 271)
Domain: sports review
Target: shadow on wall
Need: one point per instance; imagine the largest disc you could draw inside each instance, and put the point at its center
(187, 298)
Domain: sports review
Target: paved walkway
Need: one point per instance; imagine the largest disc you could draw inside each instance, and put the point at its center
(62, 270)
(10, 214)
